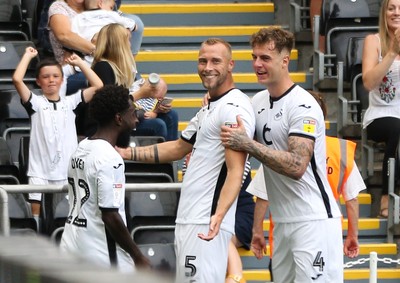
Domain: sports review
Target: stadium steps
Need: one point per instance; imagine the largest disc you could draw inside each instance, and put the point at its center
(173, 33)
(356, 275)
(385, 250)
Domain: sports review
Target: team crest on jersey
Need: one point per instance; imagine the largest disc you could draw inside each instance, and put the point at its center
(278, 115)
(117, 186)
(231, 124)
(309, 125)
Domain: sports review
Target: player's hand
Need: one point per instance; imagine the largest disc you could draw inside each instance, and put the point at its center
(351, 248)
(213, 231)
(142, 262)
(258, 246)
(234, 136)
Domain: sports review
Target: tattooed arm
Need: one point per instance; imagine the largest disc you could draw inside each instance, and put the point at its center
(157, 153)
(292, 163)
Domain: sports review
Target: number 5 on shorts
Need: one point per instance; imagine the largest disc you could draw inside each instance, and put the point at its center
(190, 266)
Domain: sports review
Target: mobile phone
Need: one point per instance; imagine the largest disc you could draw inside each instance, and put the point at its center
(166, 100)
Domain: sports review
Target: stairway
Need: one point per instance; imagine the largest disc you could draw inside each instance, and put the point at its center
(172, 36)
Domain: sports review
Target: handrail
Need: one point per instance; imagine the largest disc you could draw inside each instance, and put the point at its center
(12, 189)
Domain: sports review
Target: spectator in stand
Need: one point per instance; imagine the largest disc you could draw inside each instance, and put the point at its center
(154, 122)
(64, 41)
(53, 135)
(115, 64)
(97, 14)
(137, 36)
(380, 69)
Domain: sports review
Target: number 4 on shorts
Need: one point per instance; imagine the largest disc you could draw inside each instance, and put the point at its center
(319, 261)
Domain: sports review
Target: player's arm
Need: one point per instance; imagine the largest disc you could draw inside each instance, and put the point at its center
(116, 227)
(258, 243)
(157, 153)
(351, 246)
(292, 163)
(235, 161)
(20, 71)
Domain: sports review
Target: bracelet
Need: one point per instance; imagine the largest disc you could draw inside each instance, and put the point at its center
(131, 153)
(235, 277)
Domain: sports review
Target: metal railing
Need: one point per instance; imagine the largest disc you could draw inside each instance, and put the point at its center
(10, 189)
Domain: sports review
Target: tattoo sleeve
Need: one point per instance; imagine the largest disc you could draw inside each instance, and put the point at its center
(156, 160)
(147, 154)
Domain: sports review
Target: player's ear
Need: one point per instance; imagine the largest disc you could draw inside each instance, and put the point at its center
(231, 65)
(118, 119)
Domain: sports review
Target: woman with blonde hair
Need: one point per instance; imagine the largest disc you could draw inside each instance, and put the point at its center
(113, 56)
(381, 76)
(114, 63)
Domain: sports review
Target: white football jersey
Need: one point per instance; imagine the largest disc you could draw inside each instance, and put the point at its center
(207, 170)
(96, 181)
(295, 113)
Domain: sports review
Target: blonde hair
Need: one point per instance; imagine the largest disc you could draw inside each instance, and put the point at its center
(112, 45)
(384, 33)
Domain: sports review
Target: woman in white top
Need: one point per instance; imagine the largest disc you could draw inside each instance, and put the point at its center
(381, 76)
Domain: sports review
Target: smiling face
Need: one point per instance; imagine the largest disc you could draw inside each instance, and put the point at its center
(129, 121)
(215, 67)
(269, 65)
(50, 79)
(393, 15)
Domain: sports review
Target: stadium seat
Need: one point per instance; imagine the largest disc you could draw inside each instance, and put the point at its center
(21, 220)
(340, 21)
(349, 110)
(11, 18)
(9, 173)
(145, 140)
(14, 121)
(29, 15)
(11, 53)
(157, 244)
(55, 209)
(23, 159)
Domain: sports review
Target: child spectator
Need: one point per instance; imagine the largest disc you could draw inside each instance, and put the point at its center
(53, 135)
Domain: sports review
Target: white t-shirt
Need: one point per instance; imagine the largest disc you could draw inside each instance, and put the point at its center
(96, 181)
(206, 172)
(53, 135)
(297, 113)
(88, 23)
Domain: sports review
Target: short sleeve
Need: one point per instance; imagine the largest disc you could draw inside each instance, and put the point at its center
(257, 186)
(354, 185)
(111, 189)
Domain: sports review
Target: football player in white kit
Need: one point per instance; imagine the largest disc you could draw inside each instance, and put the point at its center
(290, 142)
(96, 226)
(206, 212)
